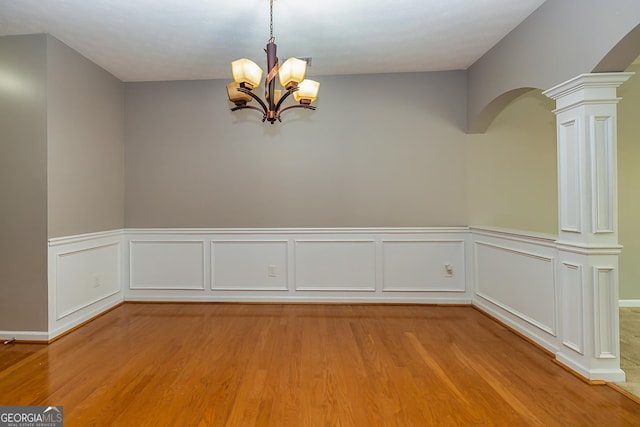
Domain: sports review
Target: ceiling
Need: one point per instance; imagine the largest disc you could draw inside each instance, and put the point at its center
(144, 40)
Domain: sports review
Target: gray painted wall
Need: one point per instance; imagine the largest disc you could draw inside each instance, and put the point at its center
(61, 164)
(560, 40)
(381, 150)
(85, 144)
(23, 184)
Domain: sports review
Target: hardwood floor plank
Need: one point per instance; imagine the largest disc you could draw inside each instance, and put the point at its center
(303, 365)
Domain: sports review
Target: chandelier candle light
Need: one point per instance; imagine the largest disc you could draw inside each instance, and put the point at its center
(247, 75)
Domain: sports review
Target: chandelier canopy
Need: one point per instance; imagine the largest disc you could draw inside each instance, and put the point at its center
(247, 76)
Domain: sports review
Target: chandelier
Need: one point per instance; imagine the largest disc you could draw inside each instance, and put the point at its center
(247, 75)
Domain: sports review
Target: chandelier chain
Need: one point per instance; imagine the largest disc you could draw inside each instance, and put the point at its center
(271, 38)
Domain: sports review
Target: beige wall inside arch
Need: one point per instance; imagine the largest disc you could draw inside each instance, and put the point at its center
(512, 168)
(629, 184)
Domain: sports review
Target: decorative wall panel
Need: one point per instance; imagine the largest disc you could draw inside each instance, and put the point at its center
(249, 265)
(571, 282)
(604, 316)
(424, 265)
(171, 264)
(603, 178)
(86, 276)
(570, 176)
(518, 280)
(336, 265)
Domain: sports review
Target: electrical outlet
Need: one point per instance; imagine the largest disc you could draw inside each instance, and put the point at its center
(448, 268)
(272, 271)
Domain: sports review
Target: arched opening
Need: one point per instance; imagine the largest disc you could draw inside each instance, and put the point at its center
(483, 120)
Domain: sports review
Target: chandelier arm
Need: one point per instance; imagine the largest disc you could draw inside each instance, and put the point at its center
(306, 107)
(285, 96)
(257, 98)
(252, 107)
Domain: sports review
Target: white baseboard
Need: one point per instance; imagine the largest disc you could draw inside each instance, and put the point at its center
(87, 315)
(518, 324)
(24, 336)
(629, 303)
(301, 300)
(613, 375)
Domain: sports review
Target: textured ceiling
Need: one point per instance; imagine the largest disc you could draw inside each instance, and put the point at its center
(140, 40)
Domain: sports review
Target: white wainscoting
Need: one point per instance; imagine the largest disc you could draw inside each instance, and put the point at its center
(314, 265)
(515, 281)
(85, 278)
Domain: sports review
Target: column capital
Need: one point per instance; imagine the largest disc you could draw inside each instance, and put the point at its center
(587, 87)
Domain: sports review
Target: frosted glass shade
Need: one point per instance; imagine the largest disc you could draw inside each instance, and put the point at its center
(236, 96)
(292, 72)
(307, 91)
(246, 71)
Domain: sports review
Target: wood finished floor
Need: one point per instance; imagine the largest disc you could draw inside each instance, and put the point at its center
(302, 365)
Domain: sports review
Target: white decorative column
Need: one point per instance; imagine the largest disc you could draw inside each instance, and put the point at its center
(587, 245)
